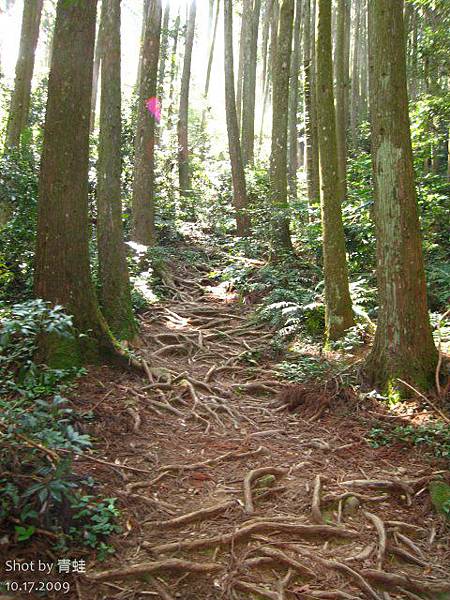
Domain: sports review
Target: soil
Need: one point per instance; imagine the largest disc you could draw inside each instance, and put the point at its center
(325, 515)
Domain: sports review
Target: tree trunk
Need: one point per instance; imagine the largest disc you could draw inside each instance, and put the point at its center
(96, 72)
(342, 90)
(249, 85)
(145, 8)
(274, 15)
(355, 86)
(243, 54)
(293, 102)
(338, 306)
(237, 169)
(210, 60)
(280, 108)
(163, 50)
(20, 101)
(62, 272)
(403, 345)
(115, 296)
(184, 171)
(173, 70)
(311, 142)
(144, 163)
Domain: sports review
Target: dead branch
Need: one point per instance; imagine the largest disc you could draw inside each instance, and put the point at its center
(253, 476)
(143, 569)
(197, 515)
(428, 401)
(315, 507)
(382, 540)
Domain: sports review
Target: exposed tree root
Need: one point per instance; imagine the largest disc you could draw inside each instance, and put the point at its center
(254, 589)
(213, 461)
(393, 580)
(315, 507)
(248, 530)
(197, 515)
(253, 476)
(143, 569)
(283, 558)
(394, 485)
(382, 540)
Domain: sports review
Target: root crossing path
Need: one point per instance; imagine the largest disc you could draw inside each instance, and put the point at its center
(226, 494)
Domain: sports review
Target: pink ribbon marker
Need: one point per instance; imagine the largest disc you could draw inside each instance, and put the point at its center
(154, 108)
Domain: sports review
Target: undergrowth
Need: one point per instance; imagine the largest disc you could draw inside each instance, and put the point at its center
(40, 434)
(435, 437)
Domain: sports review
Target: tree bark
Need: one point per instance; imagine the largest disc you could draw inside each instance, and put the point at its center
(311, 142)
(96, 72)
(355, 84)
(163, 50)
(20, 100)
(115, 294)
(403, 346)
(338, 306)
(249, 84)
(210, 59)
(280, 109)
(184, 170)
(342, 90)
(62, 272)
(293, 102)
(144, 163)
(237, 169)
(173, 70)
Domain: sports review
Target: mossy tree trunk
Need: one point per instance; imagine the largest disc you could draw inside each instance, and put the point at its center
(280, 110)
(237, 168)
(62, 269)
(338, 306)
(249, 84)
(403, 346)
(115, 295)
(144, 161)
(311, 142)
(20, 100)
(184, 168)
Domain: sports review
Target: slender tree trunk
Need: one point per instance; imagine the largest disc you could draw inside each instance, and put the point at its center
(62, 273)
(280, 109)
(20, 101)
(403, 345)
(210, 60)
(173, 70)
(144, 163)
(265, 42)
(237, 169)
(163, 50)
(184, 170)
(249, 85)
(311, 142)
(96, 72)
(293, 102)
(342, 91)
(355, 86)
(243, 54)
(145, 7)
(115, 295)
(338, 306)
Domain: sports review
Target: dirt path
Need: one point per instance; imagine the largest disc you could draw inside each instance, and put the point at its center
(238, 497)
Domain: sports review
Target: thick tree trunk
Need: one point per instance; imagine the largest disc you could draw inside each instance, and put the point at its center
(249, 85)
(20, 101)
(115, 295)
(280, 108)
(311, 142)
(237, 169)
(62, 273)
(293, 102)
(338, 306)
(144, 162)
(403, 346)
(145, 7)
(342, 90)
(184, 170)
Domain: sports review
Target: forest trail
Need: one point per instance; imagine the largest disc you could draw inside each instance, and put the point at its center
(240, 497)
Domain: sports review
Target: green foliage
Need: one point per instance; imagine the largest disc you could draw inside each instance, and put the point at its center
(440, 496)
(39, 435)
(434, 436)
(304, 368)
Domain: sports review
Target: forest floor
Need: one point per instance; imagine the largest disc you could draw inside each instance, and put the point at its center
(234, 484)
